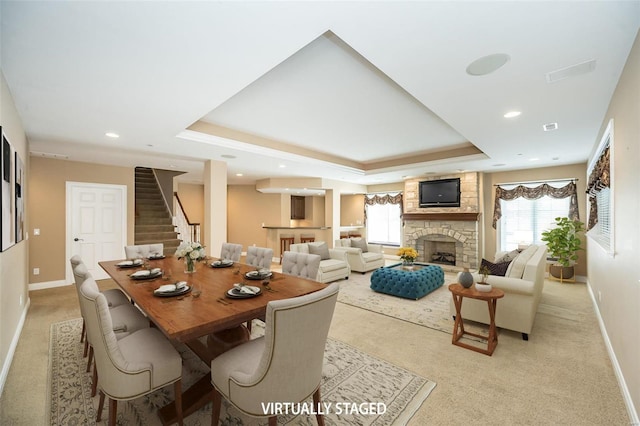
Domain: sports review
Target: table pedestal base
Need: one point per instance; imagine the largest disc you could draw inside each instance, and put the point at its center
(200, 393)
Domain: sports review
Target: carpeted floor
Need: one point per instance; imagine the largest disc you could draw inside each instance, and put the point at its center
(561, 376)
(350, 377)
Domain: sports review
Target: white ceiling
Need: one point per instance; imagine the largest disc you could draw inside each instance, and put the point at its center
(361, 92)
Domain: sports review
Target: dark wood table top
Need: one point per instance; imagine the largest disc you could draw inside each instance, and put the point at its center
(186, 318)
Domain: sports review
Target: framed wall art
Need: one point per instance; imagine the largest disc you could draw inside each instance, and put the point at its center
(7, 192)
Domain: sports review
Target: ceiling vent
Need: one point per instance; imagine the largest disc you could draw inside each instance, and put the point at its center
(571, 71)
(550, 126)
(48, 155)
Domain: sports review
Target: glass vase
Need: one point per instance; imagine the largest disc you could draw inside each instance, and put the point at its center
(189, 265)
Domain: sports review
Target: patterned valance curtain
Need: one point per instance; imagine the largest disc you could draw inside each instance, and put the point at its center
(599, 178)
(370, 200)
(568, 190)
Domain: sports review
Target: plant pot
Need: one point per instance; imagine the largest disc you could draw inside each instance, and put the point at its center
(561, 272)
(483, 287)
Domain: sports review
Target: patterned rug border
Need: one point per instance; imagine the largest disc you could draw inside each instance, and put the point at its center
(403, 404)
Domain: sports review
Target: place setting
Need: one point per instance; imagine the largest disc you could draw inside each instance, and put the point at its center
(259, 274)
(170, 290)
(222, 263)
(146, 274)
(130, 263)
(243, 291)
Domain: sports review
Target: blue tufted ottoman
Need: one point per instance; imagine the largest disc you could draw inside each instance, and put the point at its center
(412, 283)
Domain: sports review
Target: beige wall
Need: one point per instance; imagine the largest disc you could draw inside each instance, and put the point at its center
(192, 198)
(544, 173)
(13, 261)
(46, 203)
(247, 210)
(351, 210)
(615, 280)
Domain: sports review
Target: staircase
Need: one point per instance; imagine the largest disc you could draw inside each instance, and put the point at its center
(153, 220)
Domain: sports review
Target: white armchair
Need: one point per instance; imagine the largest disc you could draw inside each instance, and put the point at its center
(333, 263)
(362, 257)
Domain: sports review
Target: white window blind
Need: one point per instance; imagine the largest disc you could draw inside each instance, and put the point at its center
(383, 224)
(603, 228)
(523, 221)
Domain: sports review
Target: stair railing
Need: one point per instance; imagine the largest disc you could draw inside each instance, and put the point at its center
(189, 232)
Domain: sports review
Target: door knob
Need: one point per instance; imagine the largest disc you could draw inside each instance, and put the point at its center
(78, 239)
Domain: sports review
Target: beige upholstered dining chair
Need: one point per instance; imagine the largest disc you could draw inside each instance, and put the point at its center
(130, 367)
(142, 251)
(126, 317)
(231, 251)
(114, 296)
(285, 365)
(300, 264)
(259, 257)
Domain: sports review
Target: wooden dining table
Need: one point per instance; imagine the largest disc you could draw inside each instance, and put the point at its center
(186, 318)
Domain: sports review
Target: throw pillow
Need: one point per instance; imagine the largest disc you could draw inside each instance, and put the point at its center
(360, 243)
(499, 269)
(508, 257)
(321, 249)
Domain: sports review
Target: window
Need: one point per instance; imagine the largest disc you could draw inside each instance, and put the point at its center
(602, 229)
(600, 187)
(383, 220)
(524, 220)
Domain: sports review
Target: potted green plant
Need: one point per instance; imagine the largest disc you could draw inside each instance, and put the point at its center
(563, 244)
(483, 285)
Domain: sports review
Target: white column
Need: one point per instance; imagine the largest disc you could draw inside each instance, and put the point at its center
(332, 213)
(215, 206)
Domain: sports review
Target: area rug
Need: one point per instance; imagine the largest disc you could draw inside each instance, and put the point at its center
(431, 311)
(362, 389)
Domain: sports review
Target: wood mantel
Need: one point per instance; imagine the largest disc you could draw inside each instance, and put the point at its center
(462, 217)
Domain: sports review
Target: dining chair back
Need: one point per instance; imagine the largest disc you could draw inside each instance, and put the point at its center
(132, 366)
(285, 365)
(301, 264)
(142, 251)
(259, 257)
(231, 251)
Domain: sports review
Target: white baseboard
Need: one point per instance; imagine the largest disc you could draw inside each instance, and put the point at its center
(633, 415)
(48, 284)
(12, 348)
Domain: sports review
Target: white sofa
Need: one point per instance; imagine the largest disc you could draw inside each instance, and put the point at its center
(361, 260)
(333, 263)
(522, 286)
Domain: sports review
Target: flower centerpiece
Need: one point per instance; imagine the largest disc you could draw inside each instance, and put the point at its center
(408, 255)
(192, 252)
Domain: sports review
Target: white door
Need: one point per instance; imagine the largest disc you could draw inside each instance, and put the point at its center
(96, 224)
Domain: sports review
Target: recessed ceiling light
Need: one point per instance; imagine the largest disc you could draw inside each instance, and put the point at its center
(534, 159)
(150, 145)
(555, 158)
(112, 135)
(239, 174)
(512, 114)
(499, 165)
(487, 64)
(228, 156)
(549, 127)
(282, 166)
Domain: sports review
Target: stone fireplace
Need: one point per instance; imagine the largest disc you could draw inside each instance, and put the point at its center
(446, 236)
(452, 244)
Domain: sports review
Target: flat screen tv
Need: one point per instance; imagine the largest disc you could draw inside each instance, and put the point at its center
(440, 193)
